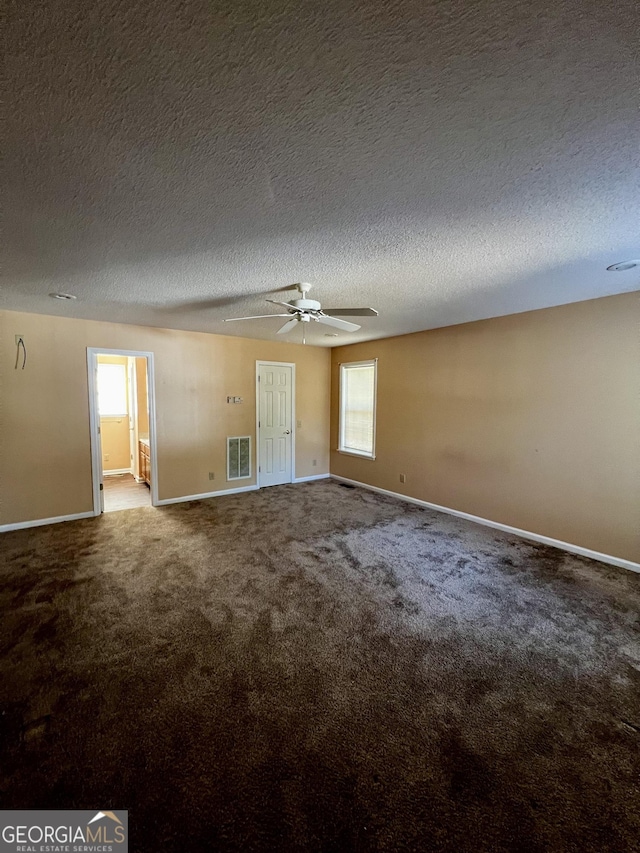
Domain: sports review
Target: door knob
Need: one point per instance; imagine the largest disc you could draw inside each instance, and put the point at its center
(287, 432)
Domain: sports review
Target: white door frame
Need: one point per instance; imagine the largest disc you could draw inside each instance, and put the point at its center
(292, 365)
(133, 413)
(94, 420)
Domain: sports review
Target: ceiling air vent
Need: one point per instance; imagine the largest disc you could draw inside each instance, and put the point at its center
(238, 457)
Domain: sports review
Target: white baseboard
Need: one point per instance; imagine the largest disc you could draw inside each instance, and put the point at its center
(312, 477)
(114, 472)
(39, 522)
(516, 531)
(219, 494)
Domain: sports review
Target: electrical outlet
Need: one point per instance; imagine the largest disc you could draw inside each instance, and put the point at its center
(212, 476)
(403, 478)
(106, 457)
(314, 463)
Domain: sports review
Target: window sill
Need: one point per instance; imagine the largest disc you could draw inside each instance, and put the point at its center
(356, 454)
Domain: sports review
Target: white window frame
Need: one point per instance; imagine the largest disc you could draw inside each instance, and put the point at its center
(362, 454)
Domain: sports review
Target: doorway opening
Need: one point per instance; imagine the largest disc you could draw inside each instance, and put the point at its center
(122, 419)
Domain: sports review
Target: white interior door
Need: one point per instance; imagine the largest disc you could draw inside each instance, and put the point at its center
(275, 424)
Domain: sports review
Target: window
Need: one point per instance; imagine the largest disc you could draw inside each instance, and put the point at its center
(358, 408)
(112, 390)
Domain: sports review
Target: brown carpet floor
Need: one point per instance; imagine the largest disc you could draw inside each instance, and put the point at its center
(312, 668)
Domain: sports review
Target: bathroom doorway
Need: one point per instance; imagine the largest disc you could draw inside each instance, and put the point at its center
(122, 429)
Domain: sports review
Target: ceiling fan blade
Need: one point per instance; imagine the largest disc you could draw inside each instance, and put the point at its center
(350, 312)
(288, 326)
(285, 304)
(257, 317)
(343, 325)
(218, 302)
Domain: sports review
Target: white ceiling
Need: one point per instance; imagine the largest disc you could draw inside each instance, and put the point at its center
(172, 163)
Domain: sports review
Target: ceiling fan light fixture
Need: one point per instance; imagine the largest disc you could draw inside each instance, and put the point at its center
(305, 310)
(621, 266)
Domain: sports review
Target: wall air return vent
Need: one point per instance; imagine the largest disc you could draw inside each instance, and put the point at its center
(238, 457)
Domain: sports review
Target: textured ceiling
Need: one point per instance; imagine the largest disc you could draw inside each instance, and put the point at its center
(171, 163)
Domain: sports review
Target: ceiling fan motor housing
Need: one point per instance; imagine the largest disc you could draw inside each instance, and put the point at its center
(305, 304)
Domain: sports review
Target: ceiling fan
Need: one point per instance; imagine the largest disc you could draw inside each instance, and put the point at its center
(305, 310)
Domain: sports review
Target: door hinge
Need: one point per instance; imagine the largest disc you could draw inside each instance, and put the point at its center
(101, 486)
(259, 469)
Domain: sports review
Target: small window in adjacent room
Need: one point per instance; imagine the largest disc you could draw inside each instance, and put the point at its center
(112, 390)
(358, 408)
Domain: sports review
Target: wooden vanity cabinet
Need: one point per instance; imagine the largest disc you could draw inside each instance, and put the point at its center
(144, 454)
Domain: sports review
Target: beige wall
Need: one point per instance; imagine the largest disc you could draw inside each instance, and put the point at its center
(116, 450)
(114, 432)
(531, 420)
(45, 462)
